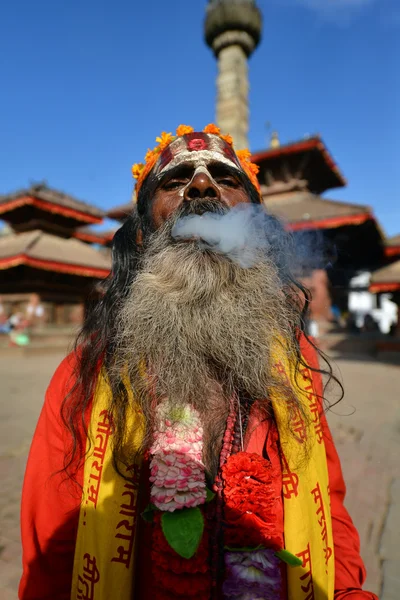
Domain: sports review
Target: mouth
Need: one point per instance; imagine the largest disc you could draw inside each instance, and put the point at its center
(202, 209)
(197, 221)
(201, 206)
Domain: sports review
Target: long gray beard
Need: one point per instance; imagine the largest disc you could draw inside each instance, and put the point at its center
(205, 328)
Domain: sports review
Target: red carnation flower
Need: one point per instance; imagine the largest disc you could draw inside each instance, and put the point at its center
(251, 494)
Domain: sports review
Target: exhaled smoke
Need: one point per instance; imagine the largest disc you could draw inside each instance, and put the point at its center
(247, 233)
(238, 233)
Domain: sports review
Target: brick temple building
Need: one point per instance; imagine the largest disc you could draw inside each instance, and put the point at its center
(346, 236)
(48, 251)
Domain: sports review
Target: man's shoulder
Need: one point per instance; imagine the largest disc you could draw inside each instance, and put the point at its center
(66, 379)
(308, 350)
(67, 368)
(63, 380)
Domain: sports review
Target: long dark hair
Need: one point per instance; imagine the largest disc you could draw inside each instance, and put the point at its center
(96, 342)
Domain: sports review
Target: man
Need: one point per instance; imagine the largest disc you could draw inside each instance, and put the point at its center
(34, 311)
(182, 450)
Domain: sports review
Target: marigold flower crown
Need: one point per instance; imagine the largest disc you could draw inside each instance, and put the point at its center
(141, 170)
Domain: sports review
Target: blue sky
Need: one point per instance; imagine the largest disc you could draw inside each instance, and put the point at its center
(87, 86)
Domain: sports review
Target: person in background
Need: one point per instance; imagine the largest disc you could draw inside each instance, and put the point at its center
(3, 317)
(18, 326)
(4, 325)
(34, 311)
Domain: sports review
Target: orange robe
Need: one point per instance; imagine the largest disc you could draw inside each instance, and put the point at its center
(50, 502)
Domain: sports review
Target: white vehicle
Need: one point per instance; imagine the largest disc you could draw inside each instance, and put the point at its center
(362, 303)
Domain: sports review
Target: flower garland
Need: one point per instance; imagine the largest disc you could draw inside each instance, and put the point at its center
(251, 492)
(177, 470)
(185, 554)
(178, 488)
(141, 170)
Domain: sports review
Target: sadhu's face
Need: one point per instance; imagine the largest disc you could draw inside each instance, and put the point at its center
(196, 169)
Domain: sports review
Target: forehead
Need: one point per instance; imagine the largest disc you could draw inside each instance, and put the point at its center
(196, 149)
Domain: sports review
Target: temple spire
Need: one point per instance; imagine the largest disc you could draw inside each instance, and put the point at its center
(274, 141)
(233, 30)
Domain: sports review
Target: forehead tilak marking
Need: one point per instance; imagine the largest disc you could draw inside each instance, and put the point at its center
(178, 153)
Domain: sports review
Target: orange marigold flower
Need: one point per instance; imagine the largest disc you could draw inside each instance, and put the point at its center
(137, 170)
(148, 167)
(254, 168)
(228, 139)
(243, 154)
(252, 177)
(149, 155)
(183, 130)
(250, 168)
(164, 140)
(211, 128)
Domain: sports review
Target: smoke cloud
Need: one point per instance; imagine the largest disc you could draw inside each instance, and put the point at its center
(237, 233)
(247, 234)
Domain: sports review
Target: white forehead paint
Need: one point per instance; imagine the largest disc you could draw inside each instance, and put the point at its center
(199, 158)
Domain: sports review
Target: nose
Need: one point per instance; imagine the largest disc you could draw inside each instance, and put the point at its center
(201, 186)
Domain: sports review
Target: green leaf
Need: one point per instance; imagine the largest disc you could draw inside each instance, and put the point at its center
(183, 530)
(148, 513)
(289, 558)
(210, 495)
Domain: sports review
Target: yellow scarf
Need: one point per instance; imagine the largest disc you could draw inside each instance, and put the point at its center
(305, 482)
(105, 546)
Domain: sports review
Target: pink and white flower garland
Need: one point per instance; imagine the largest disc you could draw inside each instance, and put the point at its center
(176, 465)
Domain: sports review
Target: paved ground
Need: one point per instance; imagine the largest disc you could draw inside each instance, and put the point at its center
(366, 427)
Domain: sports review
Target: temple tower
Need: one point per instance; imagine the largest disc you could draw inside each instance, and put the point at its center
(233, 30)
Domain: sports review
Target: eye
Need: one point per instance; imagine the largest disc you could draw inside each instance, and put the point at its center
(227, 181)
(174, 184)
(176, 179)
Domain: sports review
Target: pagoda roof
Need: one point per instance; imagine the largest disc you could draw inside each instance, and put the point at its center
(41, 250)
(386, 279)
(304, 210)
(392, 245)
(308, 159)
(121, 212)
(49, 200)
(93, 236)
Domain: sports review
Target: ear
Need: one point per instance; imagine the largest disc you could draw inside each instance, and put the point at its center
(139, 237)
